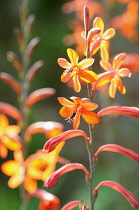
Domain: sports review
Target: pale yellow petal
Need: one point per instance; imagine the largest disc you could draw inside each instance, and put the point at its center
(73, 56)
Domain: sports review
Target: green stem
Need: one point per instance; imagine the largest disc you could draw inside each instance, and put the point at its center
(91, 154)
(24, 87)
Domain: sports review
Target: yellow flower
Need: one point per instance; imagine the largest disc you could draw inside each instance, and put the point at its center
(76, 70)
(37, 166)
(9, 138)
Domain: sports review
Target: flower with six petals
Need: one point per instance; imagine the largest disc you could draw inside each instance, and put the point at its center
(73, 110)
(76, 70)
(113, 74)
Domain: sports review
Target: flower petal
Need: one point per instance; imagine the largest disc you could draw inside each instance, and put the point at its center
(90, 117)
(12, 130)
(88, 76)
(103, 79)
(3, 151)
(109, 33)
(98, 22)
(73, 56)
(104, 50)
(112, 88)
(86, 63)
(65, 102)
(12, 143)
(90, 106)
(121, 87)
(15, 180)
(118, 60)
(105, 65)
(76, 120)
(124, 72)
(64, 63)
(65, 77)
(10, 167)
(76, 83)
(66, 111)
(30, 184)
(4, 123)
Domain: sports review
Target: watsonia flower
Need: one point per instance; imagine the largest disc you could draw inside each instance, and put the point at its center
(113, 75)
(76, 70)
(73, 110)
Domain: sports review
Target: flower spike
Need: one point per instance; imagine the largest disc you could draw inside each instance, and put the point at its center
(54, 177)
(116, 186)
(51, 144)
(116, 148)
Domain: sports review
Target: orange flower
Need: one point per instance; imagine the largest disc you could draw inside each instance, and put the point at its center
(76, 70)
(101, 40)
(128, 22)
(36, 167)
(73, 110)
(48, 200)
(9, 138)
(114, 72)
(116, 186)
(78, 5)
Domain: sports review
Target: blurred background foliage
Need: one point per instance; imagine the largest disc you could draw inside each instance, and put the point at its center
(51, 25)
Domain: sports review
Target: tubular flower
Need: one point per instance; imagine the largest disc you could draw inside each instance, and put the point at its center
(50, 129)
(117, 148)
(101, 40)
(116, 186)
(36, 167)
(73, 110)
(113, 74)
(9, 138)
(124, 110)
(54, 177)
(77, 70)
(52, 143)
(73, 204)
(48, 200)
